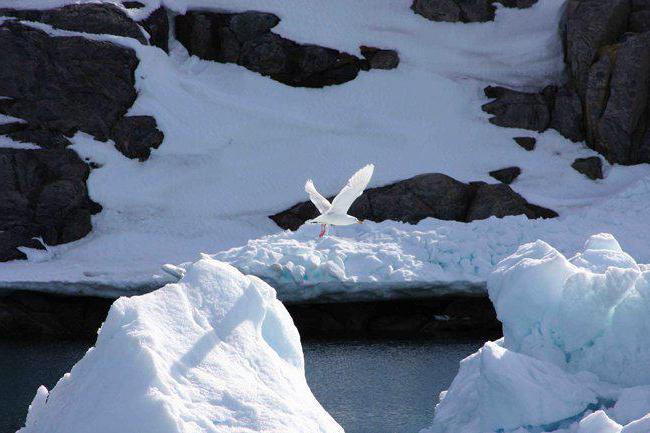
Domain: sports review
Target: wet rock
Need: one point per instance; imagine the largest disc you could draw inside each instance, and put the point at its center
(98, 18)
(432, 195)
(588, 26)
(500, 200)
(157, 25)
(246, 39)
(135, 136)
(566, 117)
(591, 167)
(377, 58)
(506, 175)
(514, 109)
(65, 84)
(527, 143)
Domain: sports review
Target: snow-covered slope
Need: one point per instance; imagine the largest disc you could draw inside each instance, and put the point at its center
(216, 352)
(574, 356)
(239, 146)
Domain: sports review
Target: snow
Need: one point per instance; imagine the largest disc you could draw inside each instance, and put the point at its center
(574, 356)
(215, 352)
(238, 146)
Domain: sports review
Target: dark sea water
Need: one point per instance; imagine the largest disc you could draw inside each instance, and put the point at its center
(367, 386)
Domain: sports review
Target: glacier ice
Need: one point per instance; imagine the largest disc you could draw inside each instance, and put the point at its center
(574, 357)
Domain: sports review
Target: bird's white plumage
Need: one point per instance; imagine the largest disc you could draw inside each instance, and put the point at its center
(352, 190)
(321, 203)
(336, 212)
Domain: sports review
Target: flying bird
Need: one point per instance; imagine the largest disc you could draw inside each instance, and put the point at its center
(336, 213)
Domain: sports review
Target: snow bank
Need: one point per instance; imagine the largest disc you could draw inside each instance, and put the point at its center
(238, 146)
(575, 354)
(215, 352)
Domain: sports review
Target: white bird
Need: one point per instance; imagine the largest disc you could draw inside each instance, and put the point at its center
(336, 213)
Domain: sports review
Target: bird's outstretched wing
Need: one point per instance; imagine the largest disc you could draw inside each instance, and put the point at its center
(352, 190)
(321, 203)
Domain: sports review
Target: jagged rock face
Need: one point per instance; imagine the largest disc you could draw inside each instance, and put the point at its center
(246, 39)
(431, 195)
(64, 83)
(466, 11)
(606, 100)
(42, 193)
(99, 18)
(157, 25)
(58, 86)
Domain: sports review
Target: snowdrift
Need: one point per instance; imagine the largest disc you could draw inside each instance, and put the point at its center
(238, 146)
(216, 352)
(575, 354)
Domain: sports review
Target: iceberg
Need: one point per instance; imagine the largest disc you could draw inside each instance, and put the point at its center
(574, 356)
(215, 352)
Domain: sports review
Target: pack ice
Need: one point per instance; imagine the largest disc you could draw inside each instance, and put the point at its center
(215, 352)
(574, 357)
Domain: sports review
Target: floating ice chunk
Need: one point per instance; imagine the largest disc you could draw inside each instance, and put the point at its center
(633, 403)
(214, 352)
(639, 426)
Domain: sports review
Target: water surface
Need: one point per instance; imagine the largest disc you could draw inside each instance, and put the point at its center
(368, 386)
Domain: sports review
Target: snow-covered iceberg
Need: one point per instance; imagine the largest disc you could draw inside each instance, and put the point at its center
(575, 355)
(215, 352)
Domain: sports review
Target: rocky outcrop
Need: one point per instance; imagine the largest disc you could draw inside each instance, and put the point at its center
(606, 100)
(432, 195)
(58, 86)
(506, 175)
(377, 58)
(98, 18)
(157, 25)
(42, 194)
(591, 167)
(135, 136)
(466, 11)
(246, 39)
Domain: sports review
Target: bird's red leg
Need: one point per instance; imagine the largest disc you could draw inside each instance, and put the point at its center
(322, 230)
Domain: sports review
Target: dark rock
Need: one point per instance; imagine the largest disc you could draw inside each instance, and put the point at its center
(640, 21)
(466, 11)
(591, 167)
(99, 18)
(431, 195)
(43, 193)
(588, 26)
(380, 59)
(132, 4)
(8, 128)
(500, 200)
(514, 109)
(251, 25)
(64, 83)
(566, 117)
(506, 175)
(47, 138)
(597, 92)
(157, 25)
(527, 143)
(135, 136)
(455, 10)
(246, 39)
(627, 103)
